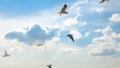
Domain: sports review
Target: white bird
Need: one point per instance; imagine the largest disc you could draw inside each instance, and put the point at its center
(103, 1)
(63, 10)
(6, 54)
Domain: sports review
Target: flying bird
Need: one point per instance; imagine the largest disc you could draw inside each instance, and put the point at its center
(103, 1)
(63, 10)
(39, 44)
(26, 28)
(49, 66)
(6, 54)
(71, 37)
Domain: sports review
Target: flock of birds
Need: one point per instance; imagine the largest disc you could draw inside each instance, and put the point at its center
(63, 11)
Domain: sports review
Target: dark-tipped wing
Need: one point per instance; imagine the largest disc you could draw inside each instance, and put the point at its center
(102, 1)
(49, 66)
(64, 8)
(39, 44)
(71, 37)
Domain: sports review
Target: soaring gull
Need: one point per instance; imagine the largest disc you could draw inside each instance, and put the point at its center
(49, 66)
(71, 37)
(63, 10)
(6, 54)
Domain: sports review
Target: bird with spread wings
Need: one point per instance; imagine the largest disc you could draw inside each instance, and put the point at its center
(6, 54)
(63, 10)
(49, 66)
(71, 37)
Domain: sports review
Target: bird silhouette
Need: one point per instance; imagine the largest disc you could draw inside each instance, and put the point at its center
(6, 54)
(63, 10)
(71, 37)
(26, 28)
(49, 66)
(103, 1)
(39, 44)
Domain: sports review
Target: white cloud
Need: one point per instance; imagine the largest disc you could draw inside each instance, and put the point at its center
(35, 33)
(70, 22)
(87, 34)
(69, 50)
(98, 30)
(100, 9)
(41, 18)
(107, 30)
(76, 34)
(47, 54)
(11, 46)
(75, 11)
(115, 17)
(16, 48)
(108, 44)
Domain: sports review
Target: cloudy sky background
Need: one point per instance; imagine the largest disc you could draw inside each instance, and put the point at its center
(95, 27)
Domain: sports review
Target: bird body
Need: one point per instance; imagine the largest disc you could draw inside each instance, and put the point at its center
(49, 66)
(39, 44)
(6, 54)
(71, 37)
(103, 1)
(63, 10)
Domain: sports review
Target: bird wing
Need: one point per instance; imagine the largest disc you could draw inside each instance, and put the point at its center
(64, 8)
(39, 44)
(49, 66)
(102, 1)
(71, 37)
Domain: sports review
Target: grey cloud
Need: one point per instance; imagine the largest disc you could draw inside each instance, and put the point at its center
(35, 33)
(105, 52)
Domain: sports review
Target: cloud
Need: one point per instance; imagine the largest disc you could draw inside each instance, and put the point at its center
(100, 9)
(11, 45)
(68, 50)
(108, 44)
(16, 48)
(70, 22)
(73, 18)
(76, 34)
(87, 34)
(105, 52)
(115, 17)
(98, 30)
(35, 33)
(103, 45)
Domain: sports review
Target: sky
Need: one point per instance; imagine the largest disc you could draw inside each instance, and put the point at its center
(26, 23)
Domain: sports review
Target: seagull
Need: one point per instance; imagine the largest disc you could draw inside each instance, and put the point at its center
(6, 54)
(49, 66)
(71, 37)
(39, 44)
(63, 10)
(103, 1)
(26, 28)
